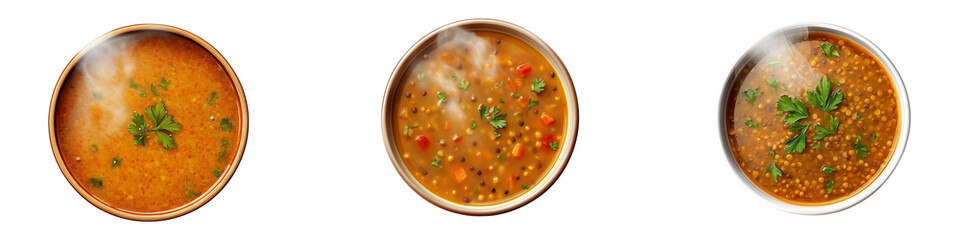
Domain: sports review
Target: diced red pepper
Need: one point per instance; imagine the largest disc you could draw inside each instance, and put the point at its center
(423, 141)
(546, 119)
(456, 138)
(546, 140)
(523, 70)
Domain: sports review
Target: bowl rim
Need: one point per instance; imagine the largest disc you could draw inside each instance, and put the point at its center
(482, 24)
(205, 196)
(879, 179)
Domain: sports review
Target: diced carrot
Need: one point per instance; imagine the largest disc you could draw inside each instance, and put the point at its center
(423, 141)
(513, 84)
(456, 138)
(460, 174)
(446, 126)
(517, 150)
(546, 119)
(523, 70)
(523, 104)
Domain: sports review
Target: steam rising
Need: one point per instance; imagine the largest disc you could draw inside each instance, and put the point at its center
(461, 47)
(106, 69)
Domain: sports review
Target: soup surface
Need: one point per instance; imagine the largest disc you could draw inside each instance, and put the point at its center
(115, 124)
(814, 121)
(479, 119)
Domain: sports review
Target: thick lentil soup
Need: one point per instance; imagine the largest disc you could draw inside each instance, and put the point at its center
(479, 118)
(815, 121)
(115, 124)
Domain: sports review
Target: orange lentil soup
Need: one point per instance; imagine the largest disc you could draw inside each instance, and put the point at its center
(815, 121)
(115, 124)
(479, 119)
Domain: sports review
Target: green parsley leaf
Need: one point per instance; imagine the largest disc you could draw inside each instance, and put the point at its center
(751, 94)
(226, 125)
(751, 123)
(501, 101)
(217, 172)
(873, 137)
(537, 85)
(96, 182)
(221, 154)
(773, 154)
(495, 132)
(827, 169)
(516, 95)
(773, 83)
(223, 143)
(163, 83)
(530, 104)
(817, 146)
(164, 126)
(143, 92)
(774, 63)
(191, 193)
(441, 97)
(829, 50)
(794, 109)
(419, 74)
(774, 171)
(436, 161)
(406, 133)
(829, 186)
(213, 98)
(499, 158)
(134, 85)
(822, 98)
(525, 186)
(154, 90)
(115, 162)
(494, 117)
(554, 145)
(94, 148)
(473, 125)
(798, 142)
(862, 150)
(499, 85)
(858, 115)
(463, 84)
(822, 132)
(138, 129)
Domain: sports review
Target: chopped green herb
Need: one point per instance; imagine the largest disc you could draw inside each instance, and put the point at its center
(436, 161)
(501, 101)
(115, 162)
(94, 148)
(463, 84)
(441, 97)
(223, 143)
(829, 186)
(525, 186)
(774, 63)
(213, 98)
(773, 83)
(751, 123)
(499, 158)
(495, 132)
(773, 154)
(154, 90)
(751, 94)
(494, 117)
(516, 95)
(537, 85)
(473, 125)
(221, 154)
(134, 85)
(774, 171)
(406, 133)
(873, 137)
(454, 77)
(554, 145)
(163, 83)
(97, 96)
(499, 85)
(217, 172)
(798, 142)
(530, 104)
(822, 132)
(858, 115)
(817, 146)
(419, 74)
(226, 125)
(143, 92)
(794, 109)
(822, 98)
(862, 150)
(827, 169)
(829, 50)
(96, 182)
(163, 125)
(191, 193)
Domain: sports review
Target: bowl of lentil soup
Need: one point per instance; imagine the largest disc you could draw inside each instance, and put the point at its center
(814, 118)
(148, 122)
(479, 117)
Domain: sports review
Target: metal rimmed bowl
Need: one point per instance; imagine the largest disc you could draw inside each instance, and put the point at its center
(204, 197)
(793, 34)
(428, 43)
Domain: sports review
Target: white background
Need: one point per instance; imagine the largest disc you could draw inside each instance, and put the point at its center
(648, 162)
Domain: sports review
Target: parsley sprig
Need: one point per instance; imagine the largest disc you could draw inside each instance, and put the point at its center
(163, 125)
(822, 132)
(799, 142)
(794, 109)
(537, 85)
(822, 98)
(494, 116)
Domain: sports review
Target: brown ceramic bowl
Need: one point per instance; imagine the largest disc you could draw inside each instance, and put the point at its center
(176, 211)
(427, 43)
